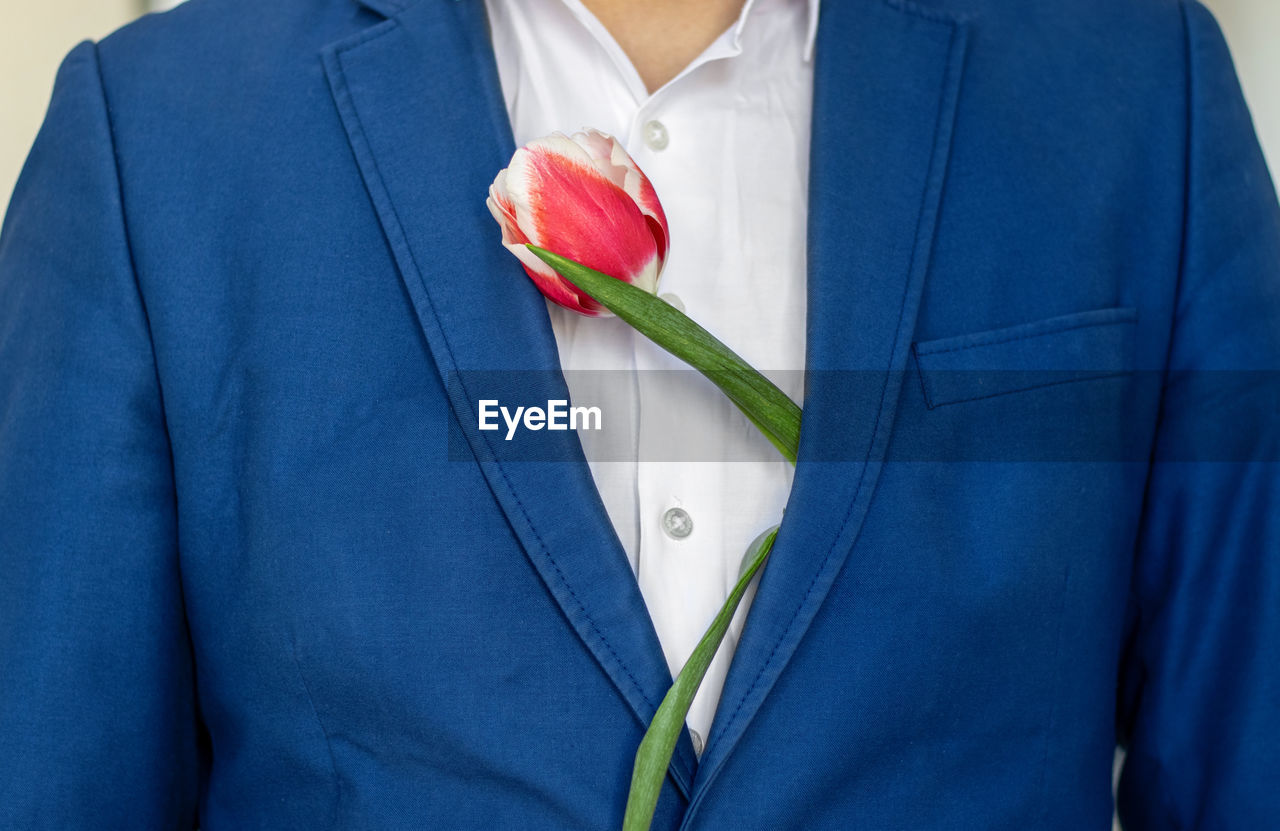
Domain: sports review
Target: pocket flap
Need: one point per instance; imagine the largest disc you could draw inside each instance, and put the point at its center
(1059, 350)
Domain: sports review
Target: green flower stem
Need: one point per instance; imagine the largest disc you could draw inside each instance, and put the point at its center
(770, 410)
(766, 406)
(654, 755)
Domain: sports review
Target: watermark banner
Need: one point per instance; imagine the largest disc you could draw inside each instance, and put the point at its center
(953, 415)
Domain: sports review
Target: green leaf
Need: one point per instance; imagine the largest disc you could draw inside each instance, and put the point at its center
(766, 406)
(654, 755)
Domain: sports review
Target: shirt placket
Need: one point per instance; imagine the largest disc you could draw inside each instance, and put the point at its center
(681, 560)
(681, 566)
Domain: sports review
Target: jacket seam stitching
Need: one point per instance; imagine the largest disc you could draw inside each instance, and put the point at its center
(124, 220)
(127, 237)
(1141, 624)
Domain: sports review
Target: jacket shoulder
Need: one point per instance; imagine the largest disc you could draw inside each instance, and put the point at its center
(204, 43)
(1085, 26)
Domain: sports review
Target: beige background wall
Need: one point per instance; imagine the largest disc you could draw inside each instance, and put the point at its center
(35, 34)
(1253, 32)
(34, 37)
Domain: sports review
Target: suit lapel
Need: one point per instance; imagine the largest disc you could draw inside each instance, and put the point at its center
(885, 89)
(421, 103)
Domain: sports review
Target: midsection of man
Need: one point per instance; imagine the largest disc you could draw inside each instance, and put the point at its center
(254, 578)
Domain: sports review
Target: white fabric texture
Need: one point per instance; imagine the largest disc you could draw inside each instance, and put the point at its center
(726, 145)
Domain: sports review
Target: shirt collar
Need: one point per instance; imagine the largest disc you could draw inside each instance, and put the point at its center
(810, 36)
(728, 44)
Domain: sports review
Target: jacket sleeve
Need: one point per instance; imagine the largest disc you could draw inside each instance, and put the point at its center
(97, 707)
(1199, 713)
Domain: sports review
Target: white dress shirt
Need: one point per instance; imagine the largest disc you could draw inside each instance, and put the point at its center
(726, 145)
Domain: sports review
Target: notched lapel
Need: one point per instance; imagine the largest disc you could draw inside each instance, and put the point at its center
(886, 82)
(422, 105)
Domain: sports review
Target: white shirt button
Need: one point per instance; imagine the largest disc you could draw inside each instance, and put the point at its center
(655, 135)
(677, 524)
(673, 300)
(696, 738)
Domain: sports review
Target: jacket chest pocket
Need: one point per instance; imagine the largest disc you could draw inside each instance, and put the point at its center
(1070, 349)
(1060, 389)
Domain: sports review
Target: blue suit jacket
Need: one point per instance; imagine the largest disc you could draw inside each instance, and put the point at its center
(245, 579)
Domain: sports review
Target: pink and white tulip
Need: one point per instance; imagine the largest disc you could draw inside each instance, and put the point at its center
(584, 198)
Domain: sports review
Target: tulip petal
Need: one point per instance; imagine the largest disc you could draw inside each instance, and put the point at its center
(586, 199)
(615, 163)
(577, 212)
(548, 282)
(604, 151)
(506, 211)
(557, 289)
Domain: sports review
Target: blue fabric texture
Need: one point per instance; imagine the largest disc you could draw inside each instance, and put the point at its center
(246, 582)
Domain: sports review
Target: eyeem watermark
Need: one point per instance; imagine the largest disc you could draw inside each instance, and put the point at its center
(557, 415)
